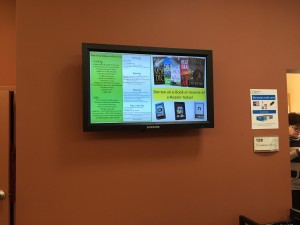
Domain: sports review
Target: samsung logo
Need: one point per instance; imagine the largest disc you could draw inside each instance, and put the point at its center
(153, 127)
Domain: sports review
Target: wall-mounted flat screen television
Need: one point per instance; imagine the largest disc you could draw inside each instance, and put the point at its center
(138, 87)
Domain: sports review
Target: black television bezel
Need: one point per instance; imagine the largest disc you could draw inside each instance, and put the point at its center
(92, 127)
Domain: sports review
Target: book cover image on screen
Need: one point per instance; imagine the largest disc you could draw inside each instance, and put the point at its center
(176, 71)
(158, 70)
(191, 72)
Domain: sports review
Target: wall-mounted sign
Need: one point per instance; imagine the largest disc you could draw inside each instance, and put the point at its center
(266, 144)
(264, 108)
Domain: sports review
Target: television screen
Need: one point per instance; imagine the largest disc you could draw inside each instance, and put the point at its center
(135, 87)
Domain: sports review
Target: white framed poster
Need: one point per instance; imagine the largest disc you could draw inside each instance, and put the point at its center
(264, 108)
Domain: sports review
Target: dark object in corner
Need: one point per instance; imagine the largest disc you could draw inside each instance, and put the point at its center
(293, 220)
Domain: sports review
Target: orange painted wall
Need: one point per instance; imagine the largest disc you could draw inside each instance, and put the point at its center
(7, 43)
(207, 176)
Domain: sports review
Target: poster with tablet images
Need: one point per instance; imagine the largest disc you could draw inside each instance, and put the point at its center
(264, 108)
(142, 88)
